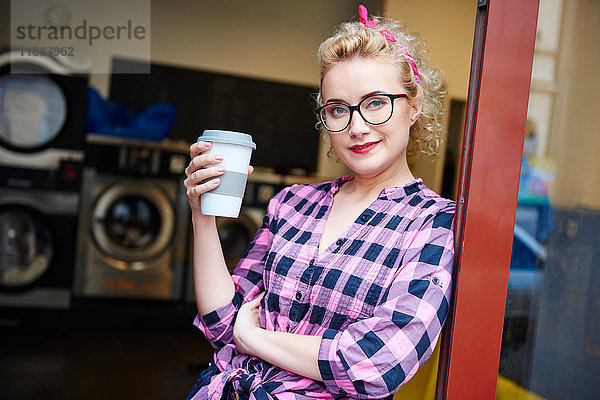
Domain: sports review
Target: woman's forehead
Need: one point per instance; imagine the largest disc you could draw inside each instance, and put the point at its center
(353, 79)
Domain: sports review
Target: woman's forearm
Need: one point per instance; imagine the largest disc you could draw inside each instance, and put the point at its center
(213, 285)
(292, 352)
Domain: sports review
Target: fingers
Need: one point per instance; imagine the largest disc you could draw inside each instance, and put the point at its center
(200, 181)
(203, 174)
(256, 301)
(195, 188)
(199, 147)
(199, 171)
(201, 161)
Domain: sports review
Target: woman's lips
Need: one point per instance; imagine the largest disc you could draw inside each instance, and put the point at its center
(364, 148)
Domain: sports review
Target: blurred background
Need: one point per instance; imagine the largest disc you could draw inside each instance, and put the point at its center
(96, 295)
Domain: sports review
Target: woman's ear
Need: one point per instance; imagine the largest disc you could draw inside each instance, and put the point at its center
(415, 111)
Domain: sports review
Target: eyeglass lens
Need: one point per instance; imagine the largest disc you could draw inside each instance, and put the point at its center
(375, 109)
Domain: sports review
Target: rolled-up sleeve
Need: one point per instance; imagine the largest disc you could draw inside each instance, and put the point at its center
(247, 276)
(372, 357)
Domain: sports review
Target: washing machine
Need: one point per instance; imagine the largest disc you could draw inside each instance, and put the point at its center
(134, 220)
(43, 106)
(236, 234)
(38, 228)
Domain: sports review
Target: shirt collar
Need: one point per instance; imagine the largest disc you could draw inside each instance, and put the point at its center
(389, 193)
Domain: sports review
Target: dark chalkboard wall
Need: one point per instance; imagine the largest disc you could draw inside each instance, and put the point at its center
(279, 116)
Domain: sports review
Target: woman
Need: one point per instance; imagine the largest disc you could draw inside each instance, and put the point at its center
(345, 288)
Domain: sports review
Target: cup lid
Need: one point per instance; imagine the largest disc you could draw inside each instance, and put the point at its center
(218, 136)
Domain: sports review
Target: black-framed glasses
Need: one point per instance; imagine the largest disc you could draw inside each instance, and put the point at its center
(375, 109)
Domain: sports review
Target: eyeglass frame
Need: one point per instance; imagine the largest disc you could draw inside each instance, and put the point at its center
(392, 97)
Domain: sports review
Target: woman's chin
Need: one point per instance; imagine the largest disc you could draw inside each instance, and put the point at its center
(366, 169)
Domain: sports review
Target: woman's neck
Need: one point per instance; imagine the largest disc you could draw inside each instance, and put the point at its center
(371, 185)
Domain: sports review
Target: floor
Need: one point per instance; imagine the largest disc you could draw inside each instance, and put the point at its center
(101, 350)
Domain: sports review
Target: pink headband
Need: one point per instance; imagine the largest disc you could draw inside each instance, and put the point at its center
(372, 24)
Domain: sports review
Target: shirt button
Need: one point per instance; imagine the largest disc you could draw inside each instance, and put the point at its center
(364, 218)
(298, 296)
(435, 280)
(311, 263)
(339, 242)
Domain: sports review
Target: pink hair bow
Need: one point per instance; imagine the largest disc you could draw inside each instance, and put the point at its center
(363, 14)
(372, 24)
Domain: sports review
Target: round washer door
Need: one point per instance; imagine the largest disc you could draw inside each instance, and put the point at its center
(26, 247)
(133, 224)
(33, 111)
(235, 235)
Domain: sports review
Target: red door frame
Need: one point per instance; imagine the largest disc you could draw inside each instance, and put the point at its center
(487, 196)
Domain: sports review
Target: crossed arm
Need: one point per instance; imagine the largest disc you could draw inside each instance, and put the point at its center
(295, 353)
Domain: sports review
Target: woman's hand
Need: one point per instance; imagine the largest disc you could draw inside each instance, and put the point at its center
(246, 324)
(290, 351)
(199, 170)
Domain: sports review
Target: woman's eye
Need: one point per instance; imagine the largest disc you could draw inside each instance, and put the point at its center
(376, 103)
(337, 111)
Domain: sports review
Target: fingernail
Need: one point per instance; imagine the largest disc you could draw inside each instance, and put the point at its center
(218, 158)
(215, 181)
(206, 144)
(221, 169)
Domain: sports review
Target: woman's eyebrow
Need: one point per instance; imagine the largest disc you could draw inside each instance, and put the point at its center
(334, 100)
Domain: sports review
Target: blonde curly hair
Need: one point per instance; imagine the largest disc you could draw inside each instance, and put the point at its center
(353, 39)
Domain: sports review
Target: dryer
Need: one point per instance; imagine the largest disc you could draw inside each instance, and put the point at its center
(43, 108)
(134, 220)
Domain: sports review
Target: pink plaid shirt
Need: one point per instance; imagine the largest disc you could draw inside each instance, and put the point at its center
(378, 296)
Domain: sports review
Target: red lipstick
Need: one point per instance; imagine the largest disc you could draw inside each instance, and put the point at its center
(364, 148)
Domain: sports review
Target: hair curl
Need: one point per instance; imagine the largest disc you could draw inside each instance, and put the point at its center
(354, 40)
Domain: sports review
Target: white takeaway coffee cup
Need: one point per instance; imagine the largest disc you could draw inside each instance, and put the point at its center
(236, 148)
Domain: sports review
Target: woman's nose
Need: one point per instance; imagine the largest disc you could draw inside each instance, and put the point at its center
(358, 125)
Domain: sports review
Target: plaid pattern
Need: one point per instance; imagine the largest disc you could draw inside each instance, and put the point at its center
(203, 379)
(378, 296)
